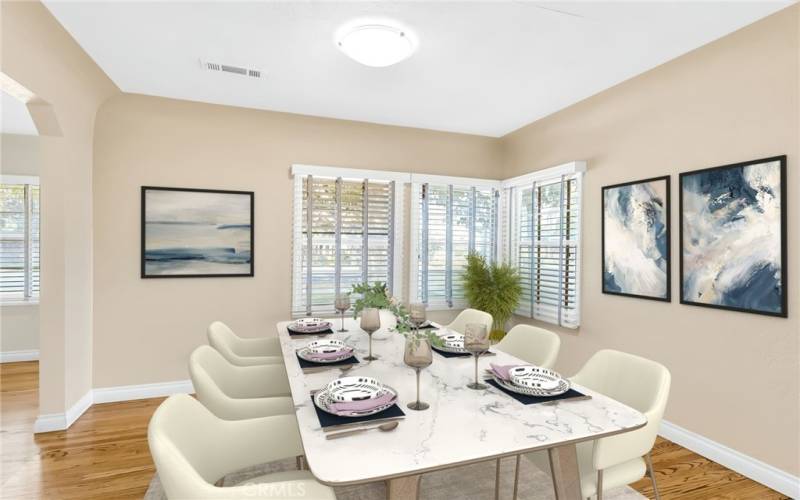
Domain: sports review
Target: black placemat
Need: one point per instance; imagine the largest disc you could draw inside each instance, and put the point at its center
(352, 360)
(532, 400)
(295, 332)
(454, 354)
(327, 420)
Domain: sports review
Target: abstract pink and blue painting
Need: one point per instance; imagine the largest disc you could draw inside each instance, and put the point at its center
(733, 237)
(636, 239)
(196, 233)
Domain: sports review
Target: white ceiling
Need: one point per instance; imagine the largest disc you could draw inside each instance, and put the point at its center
(481, 67)
(15, 118)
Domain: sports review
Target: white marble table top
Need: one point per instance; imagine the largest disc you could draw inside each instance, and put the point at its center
(461, 426)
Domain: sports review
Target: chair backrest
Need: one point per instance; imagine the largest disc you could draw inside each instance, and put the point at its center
(222, 338)
(181, 436)
(532, 344)
(637, 382)
(213, 378)
(471, 316)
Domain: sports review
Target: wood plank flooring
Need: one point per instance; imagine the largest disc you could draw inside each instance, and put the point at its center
(104, 455)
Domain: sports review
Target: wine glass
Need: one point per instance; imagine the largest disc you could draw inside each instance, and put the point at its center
(342, 304)
(370, 322)
(418, 355)
(476, 341)
(417, 315)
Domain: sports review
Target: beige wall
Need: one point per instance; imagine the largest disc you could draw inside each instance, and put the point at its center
(39, 54)
(145, 329)
(735, 376)
(19, 323)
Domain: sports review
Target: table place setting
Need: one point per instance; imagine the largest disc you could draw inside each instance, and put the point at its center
(346, 401)
(310, 326)
(324, 354)
(530, 384)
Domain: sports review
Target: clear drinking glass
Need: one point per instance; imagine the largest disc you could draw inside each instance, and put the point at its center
(476, 341)
(342, 304)
(417, 315)
(370, 323)
(418, 355)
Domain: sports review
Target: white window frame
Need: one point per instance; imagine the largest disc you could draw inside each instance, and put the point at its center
(300, 172)
(511, 206)
(28, 297)
(417, 181)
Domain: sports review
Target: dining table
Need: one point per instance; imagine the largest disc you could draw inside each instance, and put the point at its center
(462, 426)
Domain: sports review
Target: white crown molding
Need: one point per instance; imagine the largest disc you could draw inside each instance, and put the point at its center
(143, 391)
(60, 421)
(745, 465)
(16, 356)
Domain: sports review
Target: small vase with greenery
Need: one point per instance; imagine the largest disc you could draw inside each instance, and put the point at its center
(493, 288)
(378, 296)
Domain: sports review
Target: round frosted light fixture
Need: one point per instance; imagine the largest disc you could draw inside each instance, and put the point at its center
(376, 45)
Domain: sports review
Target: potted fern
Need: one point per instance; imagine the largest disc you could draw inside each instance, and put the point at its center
(493, 288)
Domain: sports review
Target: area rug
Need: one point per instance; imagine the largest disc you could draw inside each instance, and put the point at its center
(471, 482)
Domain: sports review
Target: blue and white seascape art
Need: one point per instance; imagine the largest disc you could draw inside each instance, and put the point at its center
(636, 239)
(196, 233)
(733, 237)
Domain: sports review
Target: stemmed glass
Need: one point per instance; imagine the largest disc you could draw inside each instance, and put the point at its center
(370, 323)
(417, 315)
(418, 355)
(476, 341)
(342, 304)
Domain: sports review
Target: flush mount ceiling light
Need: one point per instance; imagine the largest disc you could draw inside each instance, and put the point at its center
(376, 45)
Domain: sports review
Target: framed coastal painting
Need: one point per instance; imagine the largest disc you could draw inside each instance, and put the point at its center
(733, 237)
(636, 239)
(194, 233)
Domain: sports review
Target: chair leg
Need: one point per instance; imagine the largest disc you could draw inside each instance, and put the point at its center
(600, 485)
(516, 477)
(652, 473)
(497, 480)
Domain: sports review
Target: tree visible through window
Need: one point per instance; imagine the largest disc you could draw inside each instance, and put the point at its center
(19, 240)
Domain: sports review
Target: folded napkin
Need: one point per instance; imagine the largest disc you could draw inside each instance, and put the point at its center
(331, 355)
(502, 371)
(364, 404)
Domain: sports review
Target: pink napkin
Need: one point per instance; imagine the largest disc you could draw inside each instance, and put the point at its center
(331, 355)
(502, 371)
(363, 405)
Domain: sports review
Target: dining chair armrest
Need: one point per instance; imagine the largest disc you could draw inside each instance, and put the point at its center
(617, 449)
(263, 346)
(259, 381)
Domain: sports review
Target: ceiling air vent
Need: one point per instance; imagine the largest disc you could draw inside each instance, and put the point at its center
(227, 68)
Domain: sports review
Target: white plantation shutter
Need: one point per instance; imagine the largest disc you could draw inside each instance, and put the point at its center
(344, 234)
(19, 238)
(544, 244)
(449, 221)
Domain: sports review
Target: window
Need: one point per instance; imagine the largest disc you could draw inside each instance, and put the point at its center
(543, 235)
(451, 217)
(344, 234)
(19, 238)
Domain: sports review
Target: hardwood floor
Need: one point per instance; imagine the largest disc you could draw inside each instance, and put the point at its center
(104, 455)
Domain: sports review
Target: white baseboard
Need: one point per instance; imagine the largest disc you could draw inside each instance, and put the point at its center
(143, 391)
(745, 465)
(60, 421)
(16, 356)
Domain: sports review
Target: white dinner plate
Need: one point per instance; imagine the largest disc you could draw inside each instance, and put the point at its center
(323, 400)
(354, 389)
(322, 346)
(528, 391)
(535, 377)
(307, 352)
(452, 342)
(310, 325)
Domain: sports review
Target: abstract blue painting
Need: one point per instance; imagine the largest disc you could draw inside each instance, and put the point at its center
(733, 237)
(196, 233)
(636, 239)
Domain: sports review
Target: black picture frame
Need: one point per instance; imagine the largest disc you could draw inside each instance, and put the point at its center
(143, 249)
(784, 312)
(668, 218)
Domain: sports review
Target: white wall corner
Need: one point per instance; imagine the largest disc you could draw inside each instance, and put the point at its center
(16, 356)
(745, 465)
(60, 421)
(143, 391)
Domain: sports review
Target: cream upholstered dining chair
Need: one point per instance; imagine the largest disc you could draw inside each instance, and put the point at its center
(235, 392)
(615, 461)
(241, 351)
(459, 324)
(193, 449)
(531, 344)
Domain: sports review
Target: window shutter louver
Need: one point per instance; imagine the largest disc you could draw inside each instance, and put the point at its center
(19, 241)
(344, 235)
